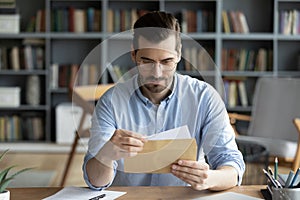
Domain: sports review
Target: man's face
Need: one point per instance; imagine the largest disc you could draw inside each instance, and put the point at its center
(156, 64)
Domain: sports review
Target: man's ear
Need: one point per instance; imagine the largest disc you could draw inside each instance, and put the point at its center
(179, 53)
(132, 54)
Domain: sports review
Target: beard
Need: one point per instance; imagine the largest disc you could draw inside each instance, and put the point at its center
(155, 85)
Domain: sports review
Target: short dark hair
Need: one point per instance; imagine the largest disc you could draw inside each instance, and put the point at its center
(165, 24)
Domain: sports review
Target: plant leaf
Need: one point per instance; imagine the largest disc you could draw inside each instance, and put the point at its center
(5, 178)
(19, 172)
(2, 155)
(4, 184)
(4, 173)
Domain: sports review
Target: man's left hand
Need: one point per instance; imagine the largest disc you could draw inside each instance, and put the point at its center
(192, 172)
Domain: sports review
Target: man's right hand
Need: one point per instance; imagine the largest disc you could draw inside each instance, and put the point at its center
(122, 144)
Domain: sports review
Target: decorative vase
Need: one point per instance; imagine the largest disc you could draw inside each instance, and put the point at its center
(33, 90)
(5, 195)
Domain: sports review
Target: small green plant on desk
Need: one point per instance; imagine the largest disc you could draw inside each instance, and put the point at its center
(5, 178)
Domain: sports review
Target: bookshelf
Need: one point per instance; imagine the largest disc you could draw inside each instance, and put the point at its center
(66, 44)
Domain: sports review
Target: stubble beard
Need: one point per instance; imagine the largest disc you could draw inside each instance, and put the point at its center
(155, 87)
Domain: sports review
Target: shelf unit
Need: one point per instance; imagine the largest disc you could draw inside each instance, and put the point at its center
(64, 47)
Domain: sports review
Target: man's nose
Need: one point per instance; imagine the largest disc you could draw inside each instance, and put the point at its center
(157, 70)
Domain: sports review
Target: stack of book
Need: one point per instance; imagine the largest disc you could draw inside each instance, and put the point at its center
(9, 17)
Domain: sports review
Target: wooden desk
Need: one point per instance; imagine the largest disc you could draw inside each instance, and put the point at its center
(138, 192)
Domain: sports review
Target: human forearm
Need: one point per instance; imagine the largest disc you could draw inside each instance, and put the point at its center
(100, 169)
(99, 174)
(222, 178)
(200, 177)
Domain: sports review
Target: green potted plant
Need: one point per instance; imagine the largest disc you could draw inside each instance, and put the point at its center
(6, 178)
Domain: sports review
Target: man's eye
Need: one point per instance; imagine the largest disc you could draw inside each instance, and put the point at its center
(167, 62)
(147, 61)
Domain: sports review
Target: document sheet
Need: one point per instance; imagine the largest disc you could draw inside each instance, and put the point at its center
(228, 195)
(74, 193)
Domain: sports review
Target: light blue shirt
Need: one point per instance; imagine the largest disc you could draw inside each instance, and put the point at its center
(192, 102)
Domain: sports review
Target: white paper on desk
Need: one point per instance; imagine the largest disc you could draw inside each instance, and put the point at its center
(79, 193)
(227, 195)
(176, 133)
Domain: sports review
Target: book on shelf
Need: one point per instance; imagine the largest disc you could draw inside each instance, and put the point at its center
(15, 58)
(10, 128)
(200, 20)
(68, 75)
(3, 58)
(122, 19)
(79, 21)
(236, 92)
(54, 76)
(30, 27)
(28, 56)
(33, 128)
(197, 59)
(234, 21)
(232, 94)
(242, 93)
(37, 22)
(4, 10)
(7, 3)
(71, 19)
(110, 20)
(204, 61)
(37, 129)
(246, 59)
(289, 22)
(8, 7)
(244, 27)
(40, 25)
(225, 21)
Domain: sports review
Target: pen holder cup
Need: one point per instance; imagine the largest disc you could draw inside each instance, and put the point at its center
(285, 193)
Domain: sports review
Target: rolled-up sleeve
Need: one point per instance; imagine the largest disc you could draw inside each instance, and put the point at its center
(102, 129)
(87, 157)
(218, 139)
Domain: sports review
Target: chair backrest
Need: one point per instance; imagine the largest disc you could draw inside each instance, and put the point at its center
(85, 97)
(275, 105)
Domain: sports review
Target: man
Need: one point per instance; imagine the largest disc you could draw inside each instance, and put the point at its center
(155, 100)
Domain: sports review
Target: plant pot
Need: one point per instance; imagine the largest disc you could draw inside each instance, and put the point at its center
(5, 195)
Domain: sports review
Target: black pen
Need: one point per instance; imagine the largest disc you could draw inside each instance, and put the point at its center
(98, 197)
(270, 171)
(270, 178)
